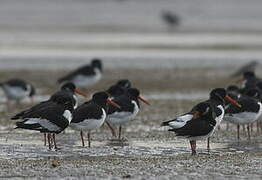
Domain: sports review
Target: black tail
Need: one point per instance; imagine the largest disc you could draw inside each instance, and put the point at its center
(22, 125)
(166, 123)
(17, 116)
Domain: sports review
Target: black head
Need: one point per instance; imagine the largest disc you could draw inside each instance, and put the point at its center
(255, 93)
(218, 95)
(100, 98)
(232, 88)
(133, 92)
(125, 83)
(66, 101)
(97, 63)
(32, 91)
(248, 74)
(68, 87)
(115, 90)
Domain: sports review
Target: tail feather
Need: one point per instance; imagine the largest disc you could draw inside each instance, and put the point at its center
(166, 123)
(18, 116)
(22, 125)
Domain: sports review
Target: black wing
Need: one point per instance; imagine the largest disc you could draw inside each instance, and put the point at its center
(196, 127)
(87, 110)
(52, 113)
(85, 70)
(28, 112)
(17, 82)
(248, 105)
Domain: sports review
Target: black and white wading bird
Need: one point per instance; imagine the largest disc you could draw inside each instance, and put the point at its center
(17, 90)
(250, 111)
(85, 76)
(91, 115)
(202, 120)
(129, 103)
(67, 91)
(52, 118)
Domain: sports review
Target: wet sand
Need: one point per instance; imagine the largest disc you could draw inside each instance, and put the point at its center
(151, 151)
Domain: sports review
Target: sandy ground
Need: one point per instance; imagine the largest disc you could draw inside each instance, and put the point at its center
(150, 152)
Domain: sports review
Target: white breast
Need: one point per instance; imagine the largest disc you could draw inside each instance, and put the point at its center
(68, 115)
(90, 124)
(87, 81)
(180, 121)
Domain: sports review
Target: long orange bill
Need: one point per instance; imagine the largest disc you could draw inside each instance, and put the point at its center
(233, 101)
(113, 103)
(143, 100)
(81, 93)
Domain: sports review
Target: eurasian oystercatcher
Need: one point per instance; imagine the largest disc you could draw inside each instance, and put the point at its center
(250, 111)
(91, 115)
(17, 89)
(85, 76)
(51, 118)
(129, 103)
(202, 120)
(67, 91)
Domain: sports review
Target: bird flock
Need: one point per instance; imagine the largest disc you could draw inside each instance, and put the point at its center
(120, 103)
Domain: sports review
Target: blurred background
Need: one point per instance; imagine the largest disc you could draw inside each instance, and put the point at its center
(168, 33)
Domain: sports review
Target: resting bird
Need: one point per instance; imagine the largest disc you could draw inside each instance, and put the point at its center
(51, 118)
(202, 120)
(91, 115)
(17, 90)
(129, 103)
(85, 76)
(67, 91)
(250, 111)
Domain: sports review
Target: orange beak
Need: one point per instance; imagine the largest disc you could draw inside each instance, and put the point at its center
(143, 100)
(233, 101)
(77, 91)
(113, 103)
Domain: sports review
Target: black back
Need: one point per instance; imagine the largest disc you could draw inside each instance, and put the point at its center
(87, 70)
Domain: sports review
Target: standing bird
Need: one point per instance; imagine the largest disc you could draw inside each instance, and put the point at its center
(202, 120)
(129, 103)
(250, 111)
(67, 91)
(85, 76)
(91, 115)
(17, 90)
(51, 118)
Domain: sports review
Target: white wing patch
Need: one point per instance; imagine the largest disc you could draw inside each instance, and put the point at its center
(32, 121)
(68, 115)
(180, 121)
